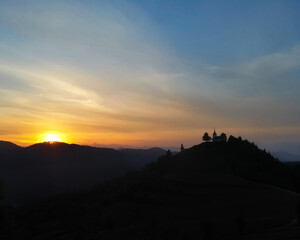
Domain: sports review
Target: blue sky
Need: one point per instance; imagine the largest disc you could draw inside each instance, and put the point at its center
(150, 73)
(222, 31)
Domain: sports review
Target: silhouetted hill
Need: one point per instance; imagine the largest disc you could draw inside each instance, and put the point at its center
(140, 157)
(236, 157)
(201, 193)
(47, 168)
(8, 146)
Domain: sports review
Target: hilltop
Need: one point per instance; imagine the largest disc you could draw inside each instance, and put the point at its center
(235, 157)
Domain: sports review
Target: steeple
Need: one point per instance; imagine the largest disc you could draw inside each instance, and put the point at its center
(214, 135)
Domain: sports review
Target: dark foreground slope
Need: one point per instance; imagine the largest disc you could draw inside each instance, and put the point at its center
(44, 169)
(192, 195)
(294, 173)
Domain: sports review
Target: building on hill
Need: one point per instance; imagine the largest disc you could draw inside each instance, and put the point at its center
(221, 138)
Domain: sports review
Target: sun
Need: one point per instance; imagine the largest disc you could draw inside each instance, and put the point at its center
(52, 137)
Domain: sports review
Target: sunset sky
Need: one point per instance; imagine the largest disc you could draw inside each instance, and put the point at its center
(150, 73)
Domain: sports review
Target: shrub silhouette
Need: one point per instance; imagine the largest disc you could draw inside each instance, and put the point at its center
(206, 137)
(223, 137)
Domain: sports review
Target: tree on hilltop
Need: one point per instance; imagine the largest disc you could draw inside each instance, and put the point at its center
(181, 148)
(206, 137)
(223, 137)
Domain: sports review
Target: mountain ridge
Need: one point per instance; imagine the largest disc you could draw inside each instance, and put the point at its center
(61, 166)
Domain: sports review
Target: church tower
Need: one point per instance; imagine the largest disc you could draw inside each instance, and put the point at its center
(214, 135)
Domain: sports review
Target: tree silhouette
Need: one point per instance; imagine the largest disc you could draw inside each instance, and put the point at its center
(181, 148)
(206, 137)
(223, 137)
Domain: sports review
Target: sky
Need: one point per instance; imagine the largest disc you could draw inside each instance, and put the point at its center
(150, 73)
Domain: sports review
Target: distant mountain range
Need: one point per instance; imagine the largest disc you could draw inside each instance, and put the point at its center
(44, 169)
(286, 157)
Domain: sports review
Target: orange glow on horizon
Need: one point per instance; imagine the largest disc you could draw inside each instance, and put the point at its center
(158, 138)
(52, 137)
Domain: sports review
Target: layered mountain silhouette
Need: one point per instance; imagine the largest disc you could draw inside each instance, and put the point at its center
(225, 190)
(44, 169)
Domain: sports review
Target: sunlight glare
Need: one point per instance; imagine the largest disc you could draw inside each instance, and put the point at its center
(51, 137)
